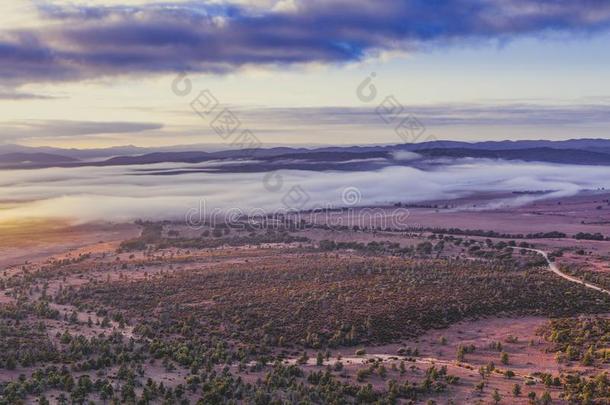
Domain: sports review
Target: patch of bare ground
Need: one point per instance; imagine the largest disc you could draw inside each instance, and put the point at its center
(584, 212)
(29, 241)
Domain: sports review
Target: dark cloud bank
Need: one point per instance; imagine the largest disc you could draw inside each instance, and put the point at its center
(198, 37)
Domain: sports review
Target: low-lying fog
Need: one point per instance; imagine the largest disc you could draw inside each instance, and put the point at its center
(126, 192)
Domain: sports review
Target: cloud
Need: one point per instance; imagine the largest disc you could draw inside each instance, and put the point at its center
(80, 42)
(441, 115)
(119, 193)
(19, 130)
(405, 156)
(14, 96)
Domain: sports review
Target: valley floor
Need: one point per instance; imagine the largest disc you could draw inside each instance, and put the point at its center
(452, 315)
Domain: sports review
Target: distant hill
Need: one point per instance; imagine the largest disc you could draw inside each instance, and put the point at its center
(574, 144)
(576, 151)
(17, 158)
(268, 158)
(159, 157)
(549, 155)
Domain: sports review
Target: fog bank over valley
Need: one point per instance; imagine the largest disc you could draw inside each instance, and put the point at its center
(125, 193)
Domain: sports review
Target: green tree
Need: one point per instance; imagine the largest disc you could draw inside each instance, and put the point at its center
(496, 396)
(546, 399)
(589, 357)
(320, 359)
(42, 400)
(11, 363)
(504, 358)
(461, 351)
(383, 372)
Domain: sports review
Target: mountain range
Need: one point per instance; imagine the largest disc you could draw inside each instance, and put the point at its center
(575, 151)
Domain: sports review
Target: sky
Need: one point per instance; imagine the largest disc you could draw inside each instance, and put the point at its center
(95, 73)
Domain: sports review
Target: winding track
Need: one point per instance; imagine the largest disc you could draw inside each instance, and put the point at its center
(553, 267)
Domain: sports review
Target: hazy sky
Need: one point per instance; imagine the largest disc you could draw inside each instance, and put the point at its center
(99, 73)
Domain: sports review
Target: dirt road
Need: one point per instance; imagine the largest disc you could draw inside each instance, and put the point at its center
(553, 267)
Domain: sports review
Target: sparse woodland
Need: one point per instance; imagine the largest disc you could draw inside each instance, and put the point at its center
(224, 324)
